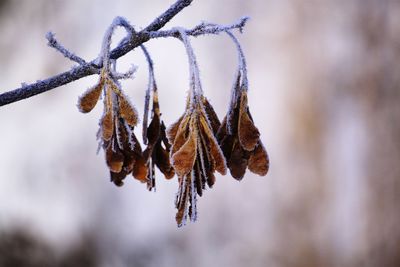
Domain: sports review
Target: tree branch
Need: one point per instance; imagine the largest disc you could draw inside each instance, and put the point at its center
(88, 69)
(126, 45)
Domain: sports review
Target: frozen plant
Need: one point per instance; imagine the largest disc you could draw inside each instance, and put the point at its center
(194, 147)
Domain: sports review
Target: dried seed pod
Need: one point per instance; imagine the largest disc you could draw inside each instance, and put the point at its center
(127, 110)
(90, 98)
(183, 159)
(258, 161)
(248, 132)
(213, 147)
(155, 154)
(238, 161)
(114, 158)
(161, 154)
(107, 121)
(211, 115)
(240, 140)
(195, 155)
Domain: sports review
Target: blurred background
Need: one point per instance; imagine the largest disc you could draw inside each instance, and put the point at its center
(324, 93)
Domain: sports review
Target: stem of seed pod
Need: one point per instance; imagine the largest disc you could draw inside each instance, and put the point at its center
(150, 87)
(242, 60)
(105, 48)
(194, 69)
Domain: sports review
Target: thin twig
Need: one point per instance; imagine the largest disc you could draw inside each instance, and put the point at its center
(52, 42)
(81, 71)
(127, 44)
(201, 29)
(151, 86)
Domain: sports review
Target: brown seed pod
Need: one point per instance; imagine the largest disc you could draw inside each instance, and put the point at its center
(183, 159)
(195, 155)
(127, 110)
(259, 161)
(240, 140)
(248, 133)
(107, 121)
(90, 98)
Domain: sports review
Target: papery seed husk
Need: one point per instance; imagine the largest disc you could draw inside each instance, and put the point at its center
(153, 131)
(207, 163)
(183, 160)
(117, 178)
(163, 137)
(259, 161)
(215, 151)
(129, 153)
(198, 179)
(222, 131)
(127, 110)
(248, 132)
(211, 115)
(107, 125)
(227, 146)
(107, 121)
(237, 163)
(114, 159)
(139, 170)
(183, 201)
(210, 180)
(161, 159)
(181, 135)
(232, 117)
(173, 130)
(90, 98)
(161, 155)
(121, 134)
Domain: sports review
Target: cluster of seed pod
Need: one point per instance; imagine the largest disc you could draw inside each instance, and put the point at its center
(194, 147)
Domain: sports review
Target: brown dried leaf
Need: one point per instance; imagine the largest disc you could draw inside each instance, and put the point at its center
(248, 132)
(183, 160)
(89, 99)
(259, 161)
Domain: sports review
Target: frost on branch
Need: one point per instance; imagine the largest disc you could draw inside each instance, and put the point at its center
(195, 147)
